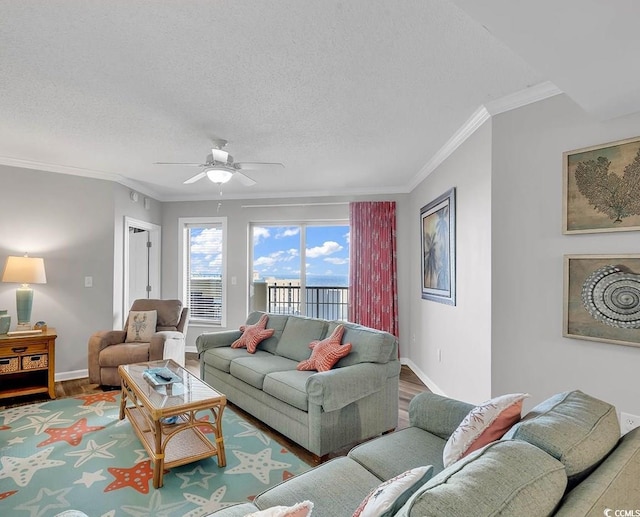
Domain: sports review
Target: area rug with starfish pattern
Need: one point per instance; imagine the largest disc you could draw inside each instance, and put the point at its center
(75, 453)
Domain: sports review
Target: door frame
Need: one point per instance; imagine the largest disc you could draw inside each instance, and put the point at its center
(154, 256)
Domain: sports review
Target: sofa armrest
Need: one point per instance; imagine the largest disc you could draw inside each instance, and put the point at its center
(216, 339)
(340, 387)
(437, 414)
(167, 344)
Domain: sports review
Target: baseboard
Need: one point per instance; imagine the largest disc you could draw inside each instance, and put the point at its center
(68, 376)
(422, 376)
(191, 349)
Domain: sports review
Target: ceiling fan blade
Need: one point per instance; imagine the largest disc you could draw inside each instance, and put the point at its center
(244, 179)
(195, 178)
(179, 163)
(257, 165)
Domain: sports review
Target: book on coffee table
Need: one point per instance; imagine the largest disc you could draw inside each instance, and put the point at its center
(160, 376)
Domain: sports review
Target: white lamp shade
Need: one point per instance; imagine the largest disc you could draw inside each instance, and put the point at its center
(24, 270)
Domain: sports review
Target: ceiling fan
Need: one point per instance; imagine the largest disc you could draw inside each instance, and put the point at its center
(220, 167)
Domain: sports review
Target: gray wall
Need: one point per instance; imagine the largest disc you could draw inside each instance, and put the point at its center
(67, 220)
(461, 333)
(76, 224)
(529, 352)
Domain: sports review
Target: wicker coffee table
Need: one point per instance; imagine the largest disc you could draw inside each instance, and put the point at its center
(164, 416)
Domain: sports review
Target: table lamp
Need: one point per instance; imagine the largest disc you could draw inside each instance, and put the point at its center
(24, 270)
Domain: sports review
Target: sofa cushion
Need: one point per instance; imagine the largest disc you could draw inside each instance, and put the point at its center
(289, 387)
(484, 424)
(337, 487)
(573, 427)
(367, 345)
(296, 336)
(124, 353)
(507, 478)
(393, 453)
(221, 358)
(252, 369)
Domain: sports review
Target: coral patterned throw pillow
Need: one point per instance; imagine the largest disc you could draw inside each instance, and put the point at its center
(252, 335)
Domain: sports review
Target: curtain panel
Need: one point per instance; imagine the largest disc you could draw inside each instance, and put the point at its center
(373, 284)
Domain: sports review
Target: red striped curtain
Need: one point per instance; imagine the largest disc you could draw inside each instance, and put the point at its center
(373, 284)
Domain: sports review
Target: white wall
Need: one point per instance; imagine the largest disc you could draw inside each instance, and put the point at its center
(529, 352)
(240, 213)
(461, 332)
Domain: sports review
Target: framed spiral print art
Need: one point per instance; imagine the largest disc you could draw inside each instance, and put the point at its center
(602, 298)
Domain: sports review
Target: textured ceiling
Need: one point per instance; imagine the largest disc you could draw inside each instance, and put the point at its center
(352, 96)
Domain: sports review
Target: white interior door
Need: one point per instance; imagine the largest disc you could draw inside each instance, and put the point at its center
(141, 262)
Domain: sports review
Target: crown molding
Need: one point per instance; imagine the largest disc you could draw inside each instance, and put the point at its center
(481, 115)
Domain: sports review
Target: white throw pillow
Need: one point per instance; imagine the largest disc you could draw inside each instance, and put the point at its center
(142, 325)
(302, 509)
(388, 497)
(484, 424)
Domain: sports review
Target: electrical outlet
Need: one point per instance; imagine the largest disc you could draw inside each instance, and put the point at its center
(628, 422)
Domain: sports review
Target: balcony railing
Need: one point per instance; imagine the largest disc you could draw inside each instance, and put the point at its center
(330, 303)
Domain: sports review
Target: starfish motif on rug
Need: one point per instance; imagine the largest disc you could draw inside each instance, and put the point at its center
(136, 477)
(4, 495)
(252, 430)
(99, 409)
(89, 478)
(207, 506)
(40, 424)
(259, 465)
(155, 507)
(72, 434)
(21, 470)
(16, 413)
(107, 396)
(92, 450)
(45, 501)
(200, 475)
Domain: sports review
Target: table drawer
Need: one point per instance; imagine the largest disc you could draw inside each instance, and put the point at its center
(9, 364)
(32, 362)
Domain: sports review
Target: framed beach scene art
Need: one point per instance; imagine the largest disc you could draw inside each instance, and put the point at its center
(438, 238)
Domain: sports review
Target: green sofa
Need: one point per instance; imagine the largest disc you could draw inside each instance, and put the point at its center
(564, 458)
(321, 411)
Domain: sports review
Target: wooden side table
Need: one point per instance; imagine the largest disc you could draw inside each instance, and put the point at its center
(27, 364)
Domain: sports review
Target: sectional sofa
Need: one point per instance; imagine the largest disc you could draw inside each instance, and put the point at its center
(321, 411)
(564, 458)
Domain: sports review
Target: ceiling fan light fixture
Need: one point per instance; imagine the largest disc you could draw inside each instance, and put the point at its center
(218, 175)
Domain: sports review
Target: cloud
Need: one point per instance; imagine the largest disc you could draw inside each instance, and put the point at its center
(288, 232)
(336, 260)
(347, 237)
(276, 257)
(207, 241)
(260, 233)
(328, 248)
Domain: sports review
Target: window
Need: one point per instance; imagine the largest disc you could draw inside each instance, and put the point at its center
(301, 269)
(203, 266)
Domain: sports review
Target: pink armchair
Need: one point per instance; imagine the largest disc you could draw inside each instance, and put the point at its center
(108, 349)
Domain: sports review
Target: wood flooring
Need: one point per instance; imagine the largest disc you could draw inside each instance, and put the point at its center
(409, 386)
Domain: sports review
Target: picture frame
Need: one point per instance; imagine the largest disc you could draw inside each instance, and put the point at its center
(438, 247)
(602, 298)
(593, 200)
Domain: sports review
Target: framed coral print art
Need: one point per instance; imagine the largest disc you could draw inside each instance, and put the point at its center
(602, 298)
(438, 246)
(602, 188)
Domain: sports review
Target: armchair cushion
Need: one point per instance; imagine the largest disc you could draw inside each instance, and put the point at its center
(142, 325)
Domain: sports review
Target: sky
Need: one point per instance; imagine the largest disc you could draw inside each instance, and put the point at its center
(277, 251)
